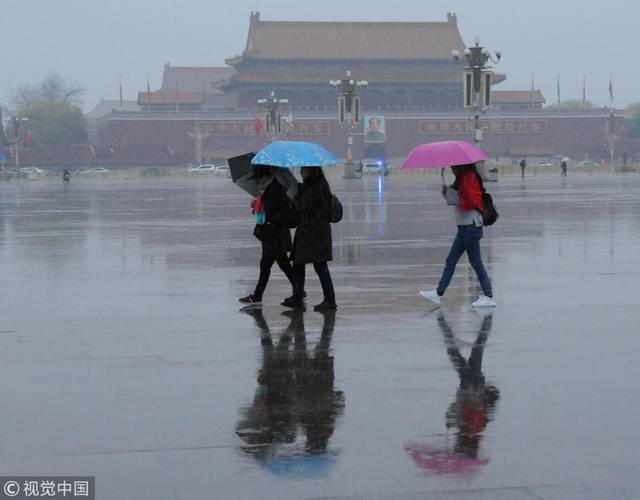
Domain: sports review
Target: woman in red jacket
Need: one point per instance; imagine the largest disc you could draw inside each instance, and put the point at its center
(466, 195)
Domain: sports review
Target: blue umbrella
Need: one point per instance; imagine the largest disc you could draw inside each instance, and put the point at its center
(292, 154)
(307, 466)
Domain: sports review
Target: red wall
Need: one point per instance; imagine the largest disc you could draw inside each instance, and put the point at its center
(166, 140)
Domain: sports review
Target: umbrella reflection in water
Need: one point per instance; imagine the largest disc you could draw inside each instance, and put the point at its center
(473, 408)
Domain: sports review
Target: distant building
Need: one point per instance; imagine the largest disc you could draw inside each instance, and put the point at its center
(171, 101)
(414, 96)
(517, 99)
(103, 108)
(202, 80)
(408, 64)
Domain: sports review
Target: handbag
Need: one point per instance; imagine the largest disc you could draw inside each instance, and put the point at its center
(335, 210)
(260, 232)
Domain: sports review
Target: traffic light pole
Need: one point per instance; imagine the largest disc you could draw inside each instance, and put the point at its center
(349, 114)
(273, 124)
(477, 87)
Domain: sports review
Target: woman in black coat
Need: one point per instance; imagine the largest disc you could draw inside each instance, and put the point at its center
(273, 232)
(312, 243)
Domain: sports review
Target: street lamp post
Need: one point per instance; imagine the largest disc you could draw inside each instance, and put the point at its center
(198, 136)
(612, 134)
(349, 113)
(273, 117)
(17, 121)
(477, 83)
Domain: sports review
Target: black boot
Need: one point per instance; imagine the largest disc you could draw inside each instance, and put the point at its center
(289, 301)
(325, 306)
(296, 305)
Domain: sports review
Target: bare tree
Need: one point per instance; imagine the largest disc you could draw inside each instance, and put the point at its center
(54, 88)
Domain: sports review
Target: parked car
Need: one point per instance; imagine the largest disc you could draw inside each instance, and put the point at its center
(203, 169)
(374, 166)
(32, 170)
(543, 163)
(223, 170)
(154, 172)
(590, 163)
(557, 158)
(96, 170)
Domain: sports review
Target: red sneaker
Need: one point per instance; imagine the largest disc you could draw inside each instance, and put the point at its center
(251, 300)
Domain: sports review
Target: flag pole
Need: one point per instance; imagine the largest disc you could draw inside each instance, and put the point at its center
(120, 89)
(532, 90)
(148, 95)
(610, 91)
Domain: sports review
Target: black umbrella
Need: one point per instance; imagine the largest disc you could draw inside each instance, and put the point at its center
(242, 173)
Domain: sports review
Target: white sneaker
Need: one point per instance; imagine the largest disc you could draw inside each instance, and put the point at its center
(484, 301)
(432, 295)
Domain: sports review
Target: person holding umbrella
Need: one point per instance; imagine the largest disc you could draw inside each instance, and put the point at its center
(313, 205)
(466, 195)
(312, 243)
(271, 209)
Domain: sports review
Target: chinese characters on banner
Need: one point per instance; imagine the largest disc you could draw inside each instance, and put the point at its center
(248, 127)
(495, 126)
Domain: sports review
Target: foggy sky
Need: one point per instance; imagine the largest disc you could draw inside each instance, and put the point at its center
(91, 42)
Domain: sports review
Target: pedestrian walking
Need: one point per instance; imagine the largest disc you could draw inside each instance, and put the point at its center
(523, 165)
(466, 195)
(563, 167)
(271, 210)
(312, 242)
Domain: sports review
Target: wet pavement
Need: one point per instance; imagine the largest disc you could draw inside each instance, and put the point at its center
(123, 353)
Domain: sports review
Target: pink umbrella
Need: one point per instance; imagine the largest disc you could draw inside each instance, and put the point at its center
(443, 154)
(442, 460)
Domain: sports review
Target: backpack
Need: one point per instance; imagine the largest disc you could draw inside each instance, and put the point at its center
(490, 215)
(335, 210)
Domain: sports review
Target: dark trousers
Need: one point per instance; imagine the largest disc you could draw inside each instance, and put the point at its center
(467, 240)
(266, 262)
(322, 270)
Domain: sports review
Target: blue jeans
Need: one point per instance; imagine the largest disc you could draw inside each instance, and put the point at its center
(467, 240)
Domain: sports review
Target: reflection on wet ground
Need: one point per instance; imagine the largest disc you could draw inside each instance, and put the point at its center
(468, 415)
(123, 353)
(288, 427)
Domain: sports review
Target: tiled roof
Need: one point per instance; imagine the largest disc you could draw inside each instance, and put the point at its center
(105, 106)
(160, 97)
(194, 78)
(517, 96)
(352, 40)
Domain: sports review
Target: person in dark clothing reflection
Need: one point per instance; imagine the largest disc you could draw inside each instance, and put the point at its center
(295, 395)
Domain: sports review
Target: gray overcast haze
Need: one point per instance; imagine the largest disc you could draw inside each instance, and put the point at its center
(91, 42)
